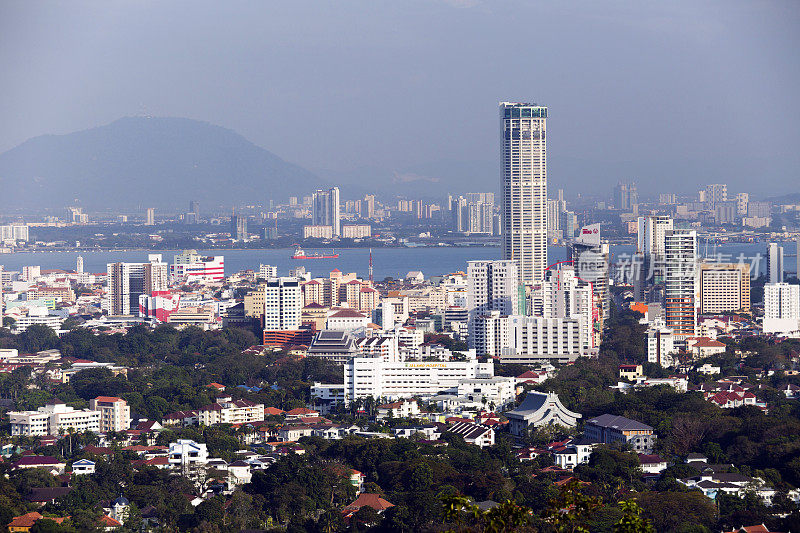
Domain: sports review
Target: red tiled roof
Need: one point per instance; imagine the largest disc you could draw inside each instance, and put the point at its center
(107, 399)
(369, 500)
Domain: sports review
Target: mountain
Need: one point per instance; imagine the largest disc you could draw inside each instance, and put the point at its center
(147, 162)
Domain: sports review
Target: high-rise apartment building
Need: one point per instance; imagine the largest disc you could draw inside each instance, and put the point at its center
(742, 201)
(283, 303)
(781, 308)
(625, 196)
(239, 227)
(150, 217)
(79, 265)
(524, 185)
(774, 263)
(194, 207)
(715, 193)
(680, 281)
(325, 209)
(491, 286)
(128, 281)
(649, 264)
(724, 287)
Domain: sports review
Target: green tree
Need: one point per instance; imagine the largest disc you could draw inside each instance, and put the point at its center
(632, 521)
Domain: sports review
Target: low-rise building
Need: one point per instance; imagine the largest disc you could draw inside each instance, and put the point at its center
(398, 409)
(476, 434)
(539, 409)
(608, 429)
(630, 372)
(187, 452)
(229, 411)
(53, 419)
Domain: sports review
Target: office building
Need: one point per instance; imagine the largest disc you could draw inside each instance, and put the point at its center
(190, 266)
(194, 207)
(115, 413)
(150, 217)
(283, 302)
(590, 259)
(53, 419)
(128, 281)
(524, 188)
(774, 263)
(781, 308)
(325, 209)
(680, 281)
(724, 287)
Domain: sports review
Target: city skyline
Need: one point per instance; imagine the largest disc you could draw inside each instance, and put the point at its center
(737, 57)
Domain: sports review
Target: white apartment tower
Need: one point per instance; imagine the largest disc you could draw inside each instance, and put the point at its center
(781, 308)
(524, 184)
(681, 282)
(491, 286)
(283, 302)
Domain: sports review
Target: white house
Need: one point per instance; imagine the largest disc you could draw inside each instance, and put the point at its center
(187, 452)
(83, 466)
(398, 409)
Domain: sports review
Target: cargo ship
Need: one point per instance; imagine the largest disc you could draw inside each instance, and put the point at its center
(299, 253)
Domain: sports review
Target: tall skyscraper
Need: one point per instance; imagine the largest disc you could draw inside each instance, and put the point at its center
(524, 184)
(774, 263)
(194, 207)
(128, 281)
(325, 209)
(150, 219)
(79, 265)
(681, 284)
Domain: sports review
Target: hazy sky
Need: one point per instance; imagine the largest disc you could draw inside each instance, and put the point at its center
(671, 94)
